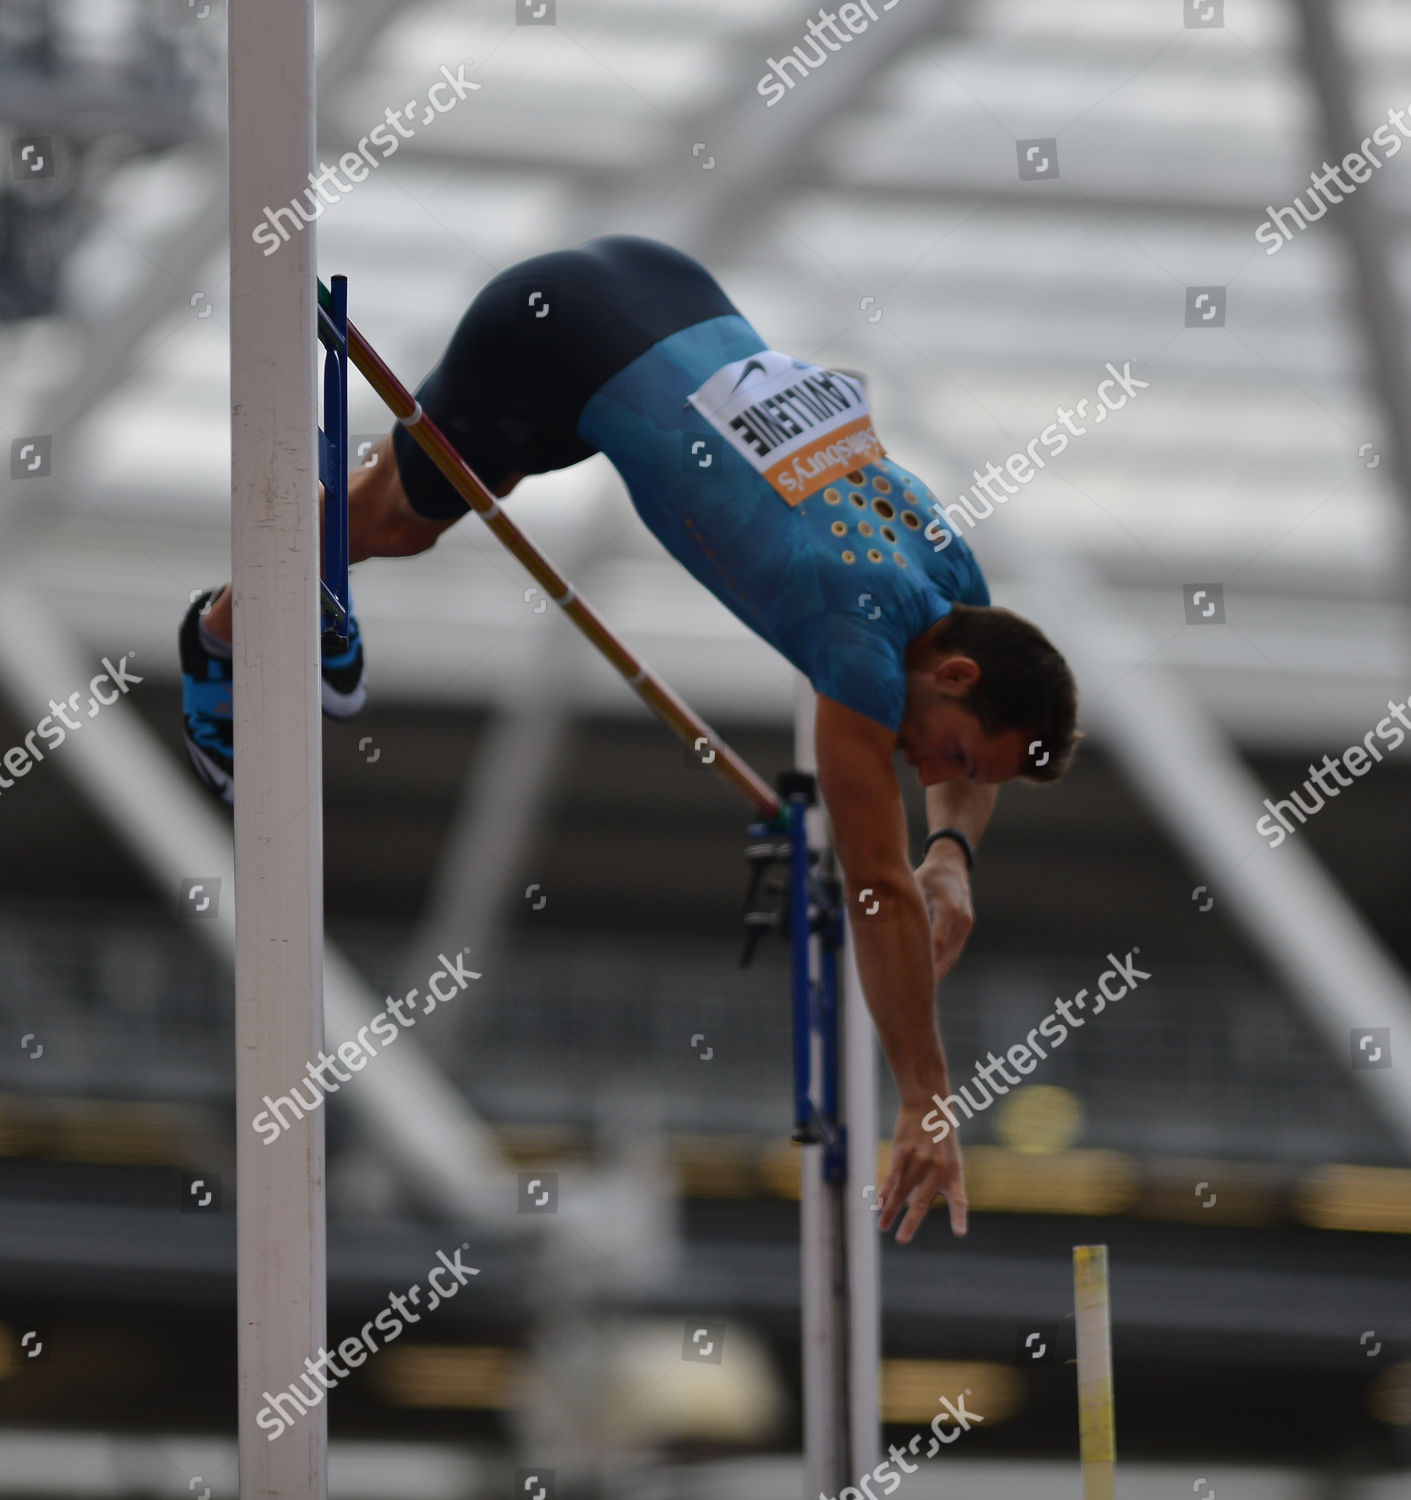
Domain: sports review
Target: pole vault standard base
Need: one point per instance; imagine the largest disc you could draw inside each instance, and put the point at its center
(828, 1465)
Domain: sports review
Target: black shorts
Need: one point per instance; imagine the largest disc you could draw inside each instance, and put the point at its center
(534, 345)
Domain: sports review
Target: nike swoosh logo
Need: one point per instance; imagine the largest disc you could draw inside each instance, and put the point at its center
(754, 364)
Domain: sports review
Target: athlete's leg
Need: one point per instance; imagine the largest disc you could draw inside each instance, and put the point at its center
(535, 344)
(498, 395)
(381, 520)
(381, 523)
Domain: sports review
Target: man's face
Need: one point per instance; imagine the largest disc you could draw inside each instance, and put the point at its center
(942, 740)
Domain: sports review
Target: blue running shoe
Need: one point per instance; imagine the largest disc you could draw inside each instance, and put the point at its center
(206, 693)
(207, 687)
(344, 691)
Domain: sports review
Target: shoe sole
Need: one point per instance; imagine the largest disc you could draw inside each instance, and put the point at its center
(222, 783)
(212, 773)
(343, 705)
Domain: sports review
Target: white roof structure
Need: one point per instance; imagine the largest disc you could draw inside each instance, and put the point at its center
(874, 217)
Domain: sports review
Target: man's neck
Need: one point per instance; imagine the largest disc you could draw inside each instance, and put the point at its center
(923, 647)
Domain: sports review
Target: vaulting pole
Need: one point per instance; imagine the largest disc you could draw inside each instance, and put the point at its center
(280, 1276)
(677, 716)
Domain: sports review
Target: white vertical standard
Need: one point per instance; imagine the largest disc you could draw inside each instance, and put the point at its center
(278, 803)
(839, 1253)
(822, 1263)
(858, 1045)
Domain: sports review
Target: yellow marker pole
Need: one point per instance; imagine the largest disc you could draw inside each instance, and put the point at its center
(1096, 1424)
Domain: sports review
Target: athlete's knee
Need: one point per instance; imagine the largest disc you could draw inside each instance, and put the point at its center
(381, 521)
(407, 538)
(401, 532)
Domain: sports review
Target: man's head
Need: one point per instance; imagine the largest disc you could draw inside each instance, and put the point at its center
(988, 697)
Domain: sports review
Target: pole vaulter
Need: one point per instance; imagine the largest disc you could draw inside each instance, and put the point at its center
(764, 476)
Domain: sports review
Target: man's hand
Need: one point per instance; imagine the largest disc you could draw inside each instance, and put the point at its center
(945, 886)
(918, 1170)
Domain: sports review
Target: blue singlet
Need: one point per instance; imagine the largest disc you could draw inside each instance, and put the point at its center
(837, 582)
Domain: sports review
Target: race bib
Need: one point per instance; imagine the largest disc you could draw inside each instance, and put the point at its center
(799, 426)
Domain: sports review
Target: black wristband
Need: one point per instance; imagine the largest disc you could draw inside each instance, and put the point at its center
(966, 847)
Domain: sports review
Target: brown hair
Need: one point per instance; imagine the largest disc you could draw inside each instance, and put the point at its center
(1024, 683)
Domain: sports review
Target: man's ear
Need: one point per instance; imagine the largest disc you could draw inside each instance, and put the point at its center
(956, 675)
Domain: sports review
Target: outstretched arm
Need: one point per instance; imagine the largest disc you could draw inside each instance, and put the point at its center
(943, 875)
(891, 938)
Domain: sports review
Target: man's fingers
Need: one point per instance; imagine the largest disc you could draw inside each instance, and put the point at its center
(922, 1197)
(917, 1191)
(949, 931)
(897, 1192)
(916, 1175)
(943, 957)
(913, 1187)
(893, 1192)
(955, 1202)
